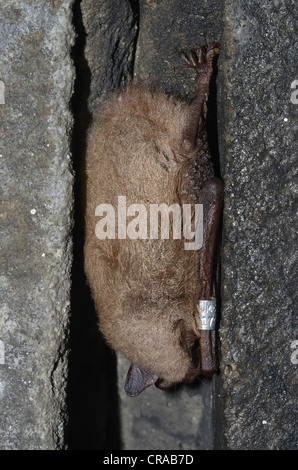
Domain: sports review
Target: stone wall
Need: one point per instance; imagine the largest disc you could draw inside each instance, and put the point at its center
(59, 60)
(36, 220)
(259, 150)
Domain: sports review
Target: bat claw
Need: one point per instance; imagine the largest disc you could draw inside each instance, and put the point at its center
(201, 59)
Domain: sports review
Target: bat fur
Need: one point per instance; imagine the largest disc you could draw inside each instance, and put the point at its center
(146, 291)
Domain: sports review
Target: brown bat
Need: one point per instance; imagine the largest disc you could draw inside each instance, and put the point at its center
(146, 148)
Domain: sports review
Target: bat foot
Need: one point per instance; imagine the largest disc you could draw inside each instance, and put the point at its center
(201, 59)
(208, 371)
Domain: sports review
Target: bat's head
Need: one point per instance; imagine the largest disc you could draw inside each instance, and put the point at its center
(140, 378)
(162, 347)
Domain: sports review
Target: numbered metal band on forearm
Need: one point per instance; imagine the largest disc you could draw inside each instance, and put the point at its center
(207, 314)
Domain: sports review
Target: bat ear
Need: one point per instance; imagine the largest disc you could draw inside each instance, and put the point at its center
(192, 346)
(138, 379)
(190, 342)
(188, 339)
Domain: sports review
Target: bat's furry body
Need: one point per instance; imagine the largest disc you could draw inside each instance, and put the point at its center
(145, 291)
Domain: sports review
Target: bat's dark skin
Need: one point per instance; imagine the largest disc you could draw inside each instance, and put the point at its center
(211, 196)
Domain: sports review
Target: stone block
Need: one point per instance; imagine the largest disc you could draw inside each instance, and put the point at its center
(36, 221)
(259, 148)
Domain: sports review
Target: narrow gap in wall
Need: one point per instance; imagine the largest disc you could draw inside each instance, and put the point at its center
(213, 139)
(211, 123)
(135, 8)
(92, 396)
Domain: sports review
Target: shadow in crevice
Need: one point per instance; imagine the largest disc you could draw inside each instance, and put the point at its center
(211, 122)
(92, 396)
(214, 146)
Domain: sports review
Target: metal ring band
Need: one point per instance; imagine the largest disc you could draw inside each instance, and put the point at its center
(207, 314)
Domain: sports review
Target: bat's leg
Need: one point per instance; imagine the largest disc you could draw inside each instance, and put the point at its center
(212, 199)
(201, 61)
(211, 194)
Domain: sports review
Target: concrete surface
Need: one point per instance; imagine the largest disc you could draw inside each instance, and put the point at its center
(36, 222)
(259, 149)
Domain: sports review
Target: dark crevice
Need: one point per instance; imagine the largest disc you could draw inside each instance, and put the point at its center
(135, 8)
(92, 397)
(211, 122)
(213, 142)
(214, 147)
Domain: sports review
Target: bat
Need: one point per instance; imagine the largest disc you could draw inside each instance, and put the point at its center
(147, 159)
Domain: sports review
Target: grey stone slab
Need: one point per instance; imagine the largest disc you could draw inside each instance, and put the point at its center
(259, 148)
(165, 29)
(36, 221)
(111, 29)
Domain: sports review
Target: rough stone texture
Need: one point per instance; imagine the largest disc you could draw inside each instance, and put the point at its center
(36, 203)
(111, 29)
(165, 29)
(259, 282)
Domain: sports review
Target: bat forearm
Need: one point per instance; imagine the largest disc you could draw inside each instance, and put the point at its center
(212, 197)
